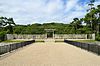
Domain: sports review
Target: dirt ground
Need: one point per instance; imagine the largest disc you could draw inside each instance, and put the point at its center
(51, 54)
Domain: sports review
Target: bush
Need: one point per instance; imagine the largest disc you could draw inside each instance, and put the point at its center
(2, 35)
(98, 37)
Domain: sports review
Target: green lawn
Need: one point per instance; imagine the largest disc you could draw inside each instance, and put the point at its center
(85, 41)
(8, 41)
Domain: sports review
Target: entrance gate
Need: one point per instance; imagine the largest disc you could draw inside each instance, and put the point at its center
(50, 33)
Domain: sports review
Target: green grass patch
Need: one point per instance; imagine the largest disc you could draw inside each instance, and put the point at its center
(86, 41)
(0, 40)
(59, 41)
(8, 41)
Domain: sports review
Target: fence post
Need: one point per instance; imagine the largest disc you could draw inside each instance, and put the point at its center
(93, 36)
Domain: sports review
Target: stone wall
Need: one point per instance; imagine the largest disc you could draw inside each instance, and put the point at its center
(9, 36)
(74, 36)
(25, 36)
(56, 36)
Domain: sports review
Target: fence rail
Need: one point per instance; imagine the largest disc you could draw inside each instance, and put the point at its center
(11, 47)
(95, 48)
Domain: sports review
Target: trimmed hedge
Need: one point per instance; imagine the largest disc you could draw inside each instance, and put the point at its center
(95, 48)
(11, 47)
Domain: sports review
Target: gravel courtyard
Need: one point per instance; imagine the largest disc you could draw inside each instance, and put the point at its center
(50, 54)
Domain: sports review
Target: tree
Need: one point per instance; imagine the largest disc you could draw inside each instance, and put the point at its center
(91, 4)
(2, 21)
(76, 23)
(97, 14)
(7, 22)
(10, 23)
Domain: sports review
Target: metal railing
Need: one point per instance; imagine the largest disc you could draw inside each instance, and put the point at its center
(95, 48)
(11, 47)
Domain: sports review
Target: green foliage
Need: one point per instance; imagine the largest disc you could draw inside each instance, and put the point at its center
(7, 22)
(17, 41)
(60, 29)
(85, 41)
(2, 35)
(98, 37)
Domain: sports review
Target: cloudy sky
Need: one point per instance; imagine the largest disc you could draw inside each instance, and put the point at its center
(43, 11)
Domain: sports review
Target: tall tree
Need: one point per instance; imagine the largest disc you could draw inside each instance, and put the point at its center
(97, 14)
(91, 4)
(7, 22)
(2, 21)
(10, 23)
(76, 23)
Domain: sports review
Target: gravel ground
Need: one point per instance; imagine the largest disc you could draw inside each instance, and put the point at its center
(51, 54)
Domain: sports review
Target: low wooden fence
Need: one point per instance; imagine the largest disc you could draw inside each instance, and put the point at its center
(11, 47)
(95, 48)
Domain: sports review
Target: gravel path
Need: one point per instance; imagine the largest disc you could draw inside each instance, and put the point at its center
(51, 54)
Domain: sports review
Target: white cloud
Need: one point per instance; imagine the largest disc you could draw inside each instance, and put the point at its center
(97, 3)
(40, 11)
(70, 4)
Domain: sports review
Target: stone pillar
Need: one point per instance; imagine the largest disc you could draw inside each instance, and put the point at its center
(93, 36)
(46, 35)
(9, 36)
(53, 34)
(86, 36)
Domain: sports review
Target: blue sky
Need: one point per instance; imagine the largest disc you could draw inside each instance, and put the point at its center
(43, 11)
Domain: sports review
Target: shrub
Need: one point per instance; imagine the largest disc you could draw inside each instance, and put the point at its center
(98, 37)
(2, 35)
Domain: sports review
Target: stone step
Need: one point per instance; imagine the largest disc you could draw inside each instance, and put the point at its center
(49, 40)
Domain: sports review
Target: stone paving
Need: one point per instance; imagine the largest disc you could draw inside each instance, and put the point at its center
(50, 54)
